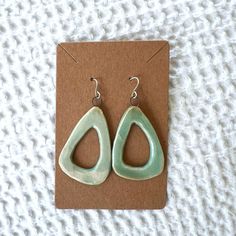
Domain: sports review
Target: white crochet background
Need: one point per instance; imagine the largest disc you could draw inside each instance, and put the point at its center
(202, 120)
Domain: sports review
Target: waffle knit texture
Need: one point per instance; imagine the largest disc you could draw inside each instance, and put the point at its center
(202, 118)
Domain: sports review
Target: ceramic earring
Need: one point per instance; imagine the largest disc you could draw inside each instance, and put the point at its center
(155, 164)
(94, 118)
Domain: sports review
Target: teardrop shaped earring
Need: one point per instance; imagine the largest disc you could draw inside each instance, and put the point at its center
(155, 164)
(94, 118)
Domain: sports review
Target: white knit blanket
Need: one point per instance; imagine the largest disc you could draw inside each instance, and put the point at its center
(202, 119)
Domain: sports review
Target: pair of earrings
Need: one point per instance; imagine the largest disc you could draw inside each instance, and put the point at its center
(95, 118)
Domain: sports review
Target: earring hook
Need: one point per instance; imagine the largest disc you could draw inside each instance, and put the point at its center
(97, 93)
(96, 101)
(134, 93)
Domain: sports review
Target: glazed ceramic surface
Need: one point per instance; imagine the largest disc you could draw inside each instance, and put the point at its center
(155, 164)
(94, 118)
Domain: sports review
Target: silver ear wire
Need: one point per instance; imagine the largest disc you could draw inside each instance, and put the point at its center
(96, 101)
(134, 94)
(97, 94)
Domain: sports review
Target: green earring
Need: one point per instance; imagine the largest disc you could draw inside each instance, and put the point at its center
(155, 164)
(94, 118)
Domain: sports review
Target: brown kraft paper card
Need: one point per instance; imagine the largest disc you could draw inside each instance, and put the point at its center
(111, 63)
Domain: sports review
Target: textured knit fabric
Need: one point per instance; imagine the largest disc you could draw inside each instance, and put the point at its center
(202, 118)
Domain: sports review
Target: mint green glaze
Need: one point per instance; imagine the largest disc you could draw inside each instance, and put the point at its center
(94, 118)
(155, 164)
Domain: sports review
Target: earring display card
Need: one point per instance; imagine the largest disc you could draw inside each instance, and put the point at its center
(112, 63)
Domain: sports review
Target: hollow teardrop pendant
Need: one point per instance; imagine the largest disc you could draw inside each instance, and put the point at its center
(155, 164)
(94, 118)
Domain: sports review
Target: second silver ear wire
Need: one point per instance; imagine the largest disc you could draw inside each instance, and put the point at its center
(134, 100)
(96, 101)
